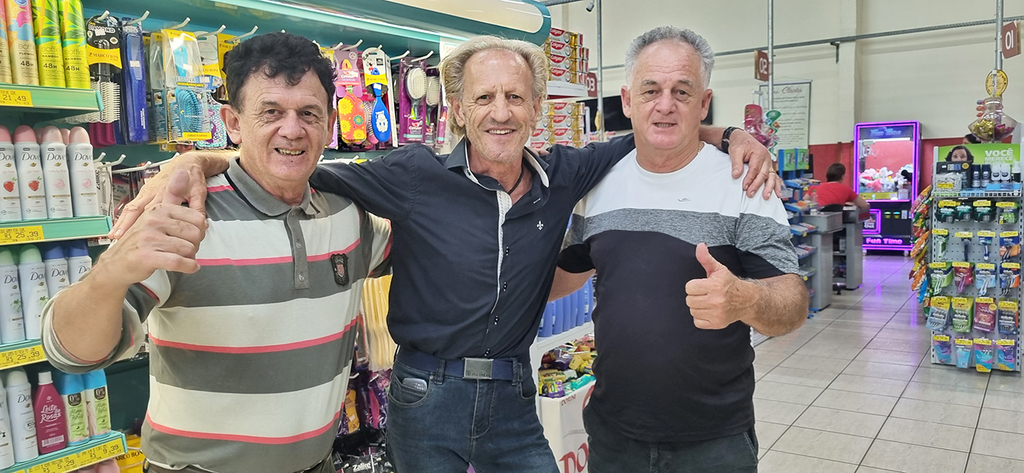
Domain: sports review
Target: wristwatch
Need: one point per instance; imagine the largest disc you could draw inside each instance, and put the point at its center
(725, 138)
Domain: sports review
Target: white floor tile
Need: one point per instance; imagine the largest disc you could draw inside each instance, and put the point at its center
(777, 412)
(942, 413)
(913, 458)
(945, 393)
(998, 444)
(780, 462)
(881, 370)
(767, 433)
(773, 391)
(928, 434)
(856, 402)
(861, 384)
(844, 422)
(984, 464)
(821, 444)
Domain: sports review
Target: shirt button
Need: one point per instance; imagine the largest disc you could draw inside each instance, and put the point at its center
(495, 319)
(504, 286)
(298, 245)
(488, 352)
(302, 277)
(506, 251)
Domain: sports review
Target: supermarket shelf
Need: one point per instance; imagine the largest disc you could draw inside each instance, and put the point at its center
(803, 253)
(47, 102)
(26, 352)
(73, 458)
(545, 344)
(806, 273)
(977, 193)
(15, 233)
(563, 90)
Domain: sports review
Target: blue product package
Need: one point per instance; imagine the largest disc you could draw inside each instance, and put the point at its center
(984, 354)
(964, 347)
(547, 321)
(586, 301)
(133, 104)
(557, 324)
(566, 313)
(1006, 351)
(943, 349)
(577, 308)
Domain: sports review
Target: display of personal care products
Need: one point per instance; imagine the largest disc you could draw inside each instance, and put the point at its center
(23, 419)
(6, 437)
(79, 261)
(10, 202)
(12, 322)
(30, 174)
(51, 423)
(72, 32)
(46, 27)
(56, 268)
(34, 294)
(72, 392)
(5, 52)
(53, 152)
(84, 195)
(97, 406)
(22, 42)
(570, 311)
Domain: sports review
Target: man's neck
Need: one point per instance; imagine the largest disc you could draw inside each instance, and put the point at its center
(666, 161)
(505, 173)
(285, 192)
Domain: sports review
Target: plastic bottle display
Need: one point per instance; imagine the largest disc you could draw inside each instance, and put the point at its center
(97, 406)
(84, 195)
(34, 295)
(6, 444)
(79, 261)
(46, 26)
(72, 392)
(10, 202)
(51, 424)
(53, 153)
(72, 32)
(23, 419)
(5, 52)
(12, 322)
(22, 42)
(56, 268)
(30, 174)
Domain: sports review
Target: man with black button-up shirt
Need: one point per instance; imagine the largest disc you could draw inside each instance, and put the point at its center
(476, 235)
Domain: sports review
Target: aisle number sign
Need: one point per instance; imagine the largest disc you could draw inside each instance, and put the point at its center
(89, 456)
(26, 234)
(21, 356)
(1011, 39)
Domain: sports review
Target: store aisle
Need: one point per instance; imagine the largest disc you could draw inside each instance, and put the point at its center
(854, 390)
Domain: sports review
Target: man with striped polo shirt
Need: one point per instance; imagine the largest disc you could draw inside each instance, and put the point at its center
(251, 332)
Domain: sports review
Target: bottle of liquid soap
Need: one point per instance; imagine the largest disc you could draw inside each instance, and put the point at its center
(56, 268)
(84, 193)
(34, 295)
(79, 261)
(6, 445)
(23, 418)
(72, 392)
(51, 423)
(97, 406)
(10, 203)
(55, 174)
(12, 321)
(30, 174)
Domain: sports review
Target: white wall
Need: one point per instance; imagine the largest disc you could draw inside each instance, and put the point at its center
(935, 77)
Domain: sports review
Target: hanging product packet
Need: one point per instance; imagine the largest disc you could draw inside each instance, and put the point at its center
(941, 238)
(985, 239)
(983, 211)
(946, 211)
(985, 312)
(984, 354)
(1009, 277)
(965, 238)
(985, 277)
(963, 275)
(1006, 212)
(963, 316)
(942, 347)
(1009, 318)
(941, 275)
(964, 212)
(1006, 351)
(1009, 244)
(938, 316)
(964, 347)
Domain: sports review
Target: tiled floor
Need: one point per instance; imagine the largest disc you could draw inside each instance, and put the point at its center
(854, 390)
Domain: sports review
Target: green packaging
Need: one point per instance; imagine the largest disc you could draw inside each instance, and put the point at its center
(72, 31)
(46, 26)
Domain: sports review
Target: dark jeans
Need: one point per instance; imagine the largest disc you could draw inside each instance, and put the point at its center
(612, 452)
(455, 422)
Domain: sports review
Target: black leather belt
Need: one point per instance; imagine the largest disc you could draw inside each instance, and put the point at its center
(465, 368)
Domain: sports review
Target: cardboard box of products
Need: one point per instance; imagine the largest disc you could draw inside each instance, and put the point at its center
(562, 108)
(566, 121)
(561, 75)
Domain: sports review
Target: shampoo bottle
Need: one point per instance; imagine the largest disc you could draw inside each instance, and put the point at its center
(22, 41)
(12, 322)
(55, 174)
(84, 193)
(34, 295)
(30, 174)
(23, 419)
(72, 392)
(79, 261)
(97, 406)
(51, 424)
(10, 202)
(56, 268)
(46, 26)
(6, 445)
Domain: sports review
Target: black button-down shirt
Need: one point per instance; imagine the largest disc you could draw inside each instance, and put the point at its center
(472, 271)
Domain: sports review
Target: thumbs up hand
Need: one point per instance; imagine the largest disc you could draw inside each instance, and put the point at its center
(166, 236)
(717, 301)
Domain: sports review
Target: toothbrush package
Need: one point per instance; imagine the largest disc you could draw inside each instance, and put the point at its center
(134, 123)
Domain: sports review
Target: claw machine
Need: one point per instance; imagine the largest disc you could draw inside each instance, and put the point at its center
(885, 174)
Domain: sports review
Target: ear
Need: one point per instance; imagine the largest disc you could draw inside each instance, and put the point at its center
(624, 94)
(232, 123)
(705, 104)
(455, 106)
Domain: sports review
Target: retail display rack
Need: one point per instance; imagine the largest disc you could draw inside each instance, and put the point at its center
(813, 243)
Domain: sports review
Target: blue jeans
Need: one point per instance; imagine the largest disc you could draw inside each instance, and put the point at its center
(612, 452)
(455, 422)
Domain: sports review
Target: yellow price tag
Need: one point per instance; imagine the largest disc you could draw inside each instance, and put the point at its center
(12, 235)
(940, 231)
(990, 266)
(964, 235)
(938, 265)
(982, 341)
(986, 233)
(1006, 343)
(196, 136)
(1008, 305)
(983, 203)
(945, 185)
(961, 264)
(1009, 234)
(1006, 205)
(1011, 265)
(941, 338)
(984, 300)
(15, 98)
(948, 203)
(21, 356)
(964, 341)
(103, 56)
(81, 459)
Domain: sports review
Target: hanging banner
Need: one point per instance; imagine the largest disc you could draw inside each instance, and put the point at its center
(793, 100)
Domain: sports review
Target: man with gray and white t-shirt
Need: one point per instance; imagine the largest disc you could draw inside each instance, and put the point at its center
(686, 264)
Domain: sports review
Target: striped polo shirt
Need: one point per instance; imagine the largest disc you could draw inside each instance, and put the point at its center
(250, 356)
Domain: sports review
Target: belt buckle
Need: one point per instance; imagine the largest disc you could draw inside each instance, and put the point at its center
(477, 368)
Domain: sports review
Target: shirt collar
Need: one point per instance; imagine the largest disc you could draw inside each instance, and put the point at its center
(459, 158)
(262, 200)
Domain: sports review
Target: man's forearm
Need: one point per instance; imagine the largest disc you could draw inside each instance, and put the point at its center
(86, 317)
(566, 283)
(711, 135)
(213, 162)
(781, 304)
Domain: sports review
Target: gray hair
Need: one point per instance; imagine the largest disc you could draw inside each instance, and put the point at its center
(453, 67)
(661, 33)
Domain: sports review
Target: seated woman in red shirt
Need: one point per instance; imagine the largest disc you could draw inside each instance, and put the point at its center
(834, 192)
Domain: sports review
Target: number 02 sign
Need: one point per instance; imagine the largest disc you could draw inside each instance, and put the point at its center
(762, 65)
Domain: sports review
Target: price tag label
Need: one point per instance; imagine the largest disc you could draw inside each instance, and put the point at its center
(1006, 205)
(983, 203)
(195, 136)
(938, 265)
(941, 338)
(986, 233)
(15, 98)
(940, 231)
(1006, 343)
(964, 341)
(988, 266)
(982, 341)
(13, 235)
(1011, 265)
(948, 203)
(21, 356)
(1009, 234)
(87, 457)
(964, 234)
(961, 264)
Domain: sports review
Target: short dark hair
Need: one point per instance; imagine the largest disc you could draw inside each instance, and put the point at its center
(835, 172)
(276, 54)
(971, 138)
(970, 156)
